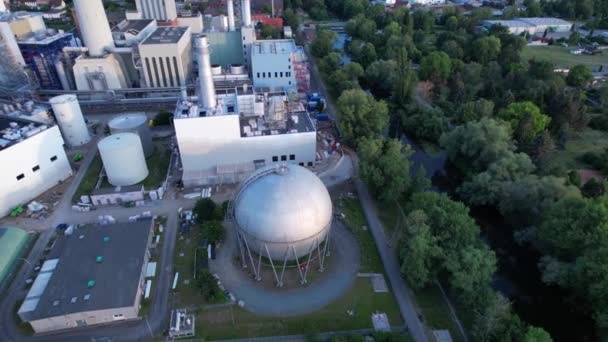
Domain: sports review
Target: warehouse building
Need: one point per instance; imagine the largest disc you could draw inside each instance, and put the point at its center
(167, 57)
(535, 26)
(92, 276)
(33, 161)
(12, 242)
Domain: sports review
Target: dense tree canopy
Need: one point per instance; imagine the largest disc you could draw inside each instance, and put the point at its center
(360, 115)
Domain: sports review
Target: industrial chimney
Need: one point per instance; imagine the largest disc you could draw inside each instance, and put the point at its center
(94, 26)
(230, 15)
(206, 97)
(246, 12)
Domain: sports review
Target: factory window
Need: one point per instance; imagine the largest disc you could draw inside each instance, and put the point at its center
(179, 82)
(149, 72)
(276, 74)
(20, 177)
(289, 59)
(258, 75)
(263, 75)
(301, 164)
(289, 67)
(284, 157)
(309, 163)
(170, 71)
(292, 157)
(289, 74)
(36, 168)
(155, 66)
(53, 158)
(230, 109)
(281, 74)
(162, 71)
(275, 158)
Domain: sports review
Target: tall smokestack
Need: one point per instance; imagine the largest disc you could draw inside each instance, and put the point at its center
(246, 12)
(2, 6)
(231, 26)
(206, 97)
(94, 26)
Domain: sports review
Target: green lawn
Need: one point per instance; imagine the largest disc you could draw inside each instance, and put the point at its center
(562, 57)
(588, 140)
(356, 222)
(436, 312)
(158, 164)
(183, 262)
(234, 322)
(87, 185)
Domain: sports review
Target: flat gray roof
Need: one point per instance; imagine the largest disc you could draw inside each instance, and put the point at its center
(136, 25)
(118, 189)
(166, 35)
(122, 247)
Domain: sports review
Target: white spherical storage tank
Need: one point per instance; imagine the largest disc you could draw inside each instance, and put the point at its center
(283, 212)
(70, 119)
(134, 123)
(123, 159)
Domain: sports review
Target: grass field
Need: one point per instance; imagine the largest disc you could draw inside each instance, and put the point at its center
(234, 322)
(588, 140)
(87, 185)
(158, 164)
(562, 57)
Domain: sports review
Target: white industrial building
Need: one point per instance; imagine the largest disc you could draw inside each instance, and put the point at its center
(33, 161)
(272, 64)
(229, 131)
(531, 25)
(167, 57)
(99, 68)
(162, 10)
(425, 2)
(133, 32)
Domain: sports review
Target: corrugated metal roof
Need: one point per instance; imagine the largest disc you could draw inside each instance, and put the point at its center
(12, 241)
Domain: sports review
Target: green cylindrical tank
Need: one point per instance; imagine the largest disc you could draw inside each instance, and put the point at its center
(12, 241)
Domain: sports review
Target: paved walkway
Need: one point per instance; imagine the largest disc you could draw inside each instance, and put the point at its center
(402, 292)
(338, 277)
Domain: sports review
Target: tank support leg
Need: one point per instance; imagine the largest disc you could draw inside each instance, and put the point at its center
(284, 266)
(310, 251)
(274, 270)
(259, 274)
(251, 258)
(295, 254)
(241, 250)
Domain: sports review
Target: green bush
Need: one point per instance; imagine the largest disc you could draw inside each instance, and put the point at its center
(163, 118)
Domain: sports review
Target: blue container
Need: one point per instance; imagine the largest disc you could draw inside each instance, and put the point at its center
(322, 117)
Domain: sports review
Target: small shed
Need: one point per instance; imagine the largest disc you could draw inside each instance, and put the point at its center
(118, 195)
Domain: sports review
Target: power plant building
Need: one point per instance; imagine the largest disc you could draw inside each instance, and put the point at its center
(279, 65)
(162, 10)
(167, 57)
(33, 161)
(94, 275)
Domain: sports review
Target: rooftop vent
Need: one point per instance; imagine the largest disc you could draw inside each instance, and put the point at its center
(91, 283)
(87, 296)
(99, 259)
(73, 300)
(106, 238)
(55, 302)
(80, 237)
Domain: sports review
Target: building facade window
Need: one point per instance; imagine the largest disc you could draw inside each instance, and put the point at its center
(292, 157)
(281, 74)
(20, 177)
(53, 158)
(275, 158)
(258, 75)
(276, 74)
(36, 168)
(309, 163)
(284, 157)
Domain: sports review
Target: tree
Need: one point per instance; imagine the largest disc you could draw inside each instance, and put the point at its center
(406, 80)
(471, 268)
(475, 110)
(567, 107)
(495, 321)
(323, 44)
(486, 49)
(291, 19)
(360, 115)
(593, 188)
(526, 120)
(368, 55)
(207, 284)
(426, 124)
(384, 166)
(204, 209)
(213, 231)
(330, 63)
(354, 71)
(534, 334)
(579, 76)
(436, 67)
(381, 77)
(163, 118)
(419, 251)
(474, 146)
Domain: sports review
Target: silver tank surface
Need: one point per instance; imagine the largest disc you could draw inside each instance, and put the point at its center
(281, 207)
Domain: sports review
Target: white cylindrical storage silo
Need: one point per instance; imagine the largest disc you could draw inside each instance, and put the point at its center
(237, 69)
(216, 69)
(123, 159)
(94, 26)
(230, 10)
(246, 13)
(70, 119)
(134, 123)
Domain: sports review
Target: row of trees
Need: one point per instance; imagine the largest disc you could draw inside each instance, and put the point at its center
(498, 117)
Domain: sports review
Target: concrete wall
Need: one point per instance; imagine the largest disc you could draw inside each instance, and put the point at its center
(84, 318)
(208, 142)
(7, 40)
(272, 70)
(22, 158)
(157, 9)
